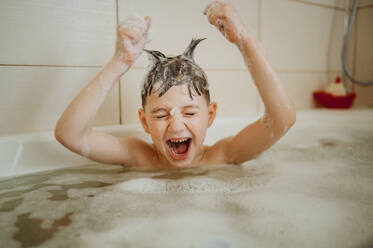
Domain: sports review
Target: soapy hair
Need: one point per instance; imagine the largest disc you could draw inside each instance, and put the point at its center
(166, 72)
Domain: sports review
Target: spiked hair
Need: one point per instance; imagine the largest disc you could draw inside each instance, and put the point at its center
(166, 72)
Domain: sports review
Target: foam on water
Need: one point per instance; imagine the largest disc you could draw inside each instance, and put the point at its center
(319, 177)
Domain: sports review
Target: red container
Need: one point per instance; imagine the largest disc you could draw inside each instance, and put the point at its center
(330, 101)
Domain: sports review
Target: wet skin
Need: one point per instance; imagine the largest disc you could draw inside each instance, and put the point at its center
(176, 116)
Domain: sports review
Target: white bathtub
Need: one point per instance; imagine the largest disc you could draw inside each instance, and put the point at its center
(28, 153)
(312, 189)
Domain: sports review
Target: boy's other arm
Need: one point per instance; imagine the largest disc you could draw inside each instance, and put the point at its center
(73, 129)
(279, 113)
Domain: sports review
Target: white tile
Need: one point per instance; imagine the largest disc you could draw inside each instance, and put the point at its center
(300, 36)
(364, 56)
(234, 92)
(175, 23)
(57, 32)
(364, 97)
(300, 87)
(328, 3)
(366, 3)
(34, 98)
(131, 84)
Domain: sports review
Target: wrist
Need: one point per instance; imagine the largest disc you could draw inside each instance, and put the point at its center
(246, 43)
(118, 65)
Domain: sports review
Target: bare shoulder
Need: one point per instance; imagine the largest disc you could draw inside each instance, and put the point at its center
(217, 153)
(142, 153)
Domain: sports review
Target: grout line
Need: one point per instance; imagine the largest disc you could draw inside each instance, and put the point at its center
(54, 66)
(143, 68)
(309, 71)
(258, 98)
(120, 85)
(356, 40)
(318, 5)
(259, 20)
(365, 7)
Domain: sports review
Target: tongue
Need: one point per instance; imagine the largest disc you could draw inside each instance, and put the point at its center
(180, 148)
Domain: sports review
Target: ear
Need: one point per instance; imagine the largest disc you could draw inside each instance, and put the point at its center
(188, 53)
(142, 119)
(212, 113)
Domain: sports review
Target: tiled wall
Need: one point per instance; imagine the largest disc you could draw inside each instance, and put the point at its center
(50, 49)
(364, 54)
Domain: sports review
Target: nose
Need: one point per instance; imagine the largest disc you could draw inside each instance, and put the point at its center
(176, 124)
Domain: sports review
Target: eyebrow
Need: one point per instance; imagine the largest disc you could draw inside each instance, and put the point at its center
(191, 106)
(158, 110)
(166, 110)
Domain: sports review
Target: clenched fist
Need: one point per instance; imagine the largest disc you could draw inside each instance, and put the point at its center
(132, 34)
(224, 16)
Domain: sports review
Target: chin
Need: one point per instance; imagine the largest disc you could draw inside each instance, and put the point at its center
(181, 165)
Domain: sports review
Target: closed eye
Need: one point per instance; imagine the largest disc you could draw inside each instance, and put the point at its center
(190, 114)
(160, 116)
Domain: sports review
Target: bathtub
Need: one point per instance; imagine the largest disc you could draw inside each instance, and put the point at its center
(314, 188)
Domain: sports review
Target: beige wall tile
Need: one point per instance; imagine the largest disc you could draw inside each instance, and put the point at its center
(33, 98)
(57, 32)
(300, 36)
(365, 3)
(300, 87)
(234, 92)
(330, 3)
(364, 97)
(364, 57)
(175, 23)
(131, 84)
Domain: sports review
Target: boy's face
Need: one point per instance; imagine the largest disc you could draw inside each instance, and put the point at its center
(177, 124)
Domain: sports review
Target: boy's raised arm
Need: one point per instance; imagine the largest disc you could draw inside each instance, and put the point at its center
(279, 113)
(73, 129)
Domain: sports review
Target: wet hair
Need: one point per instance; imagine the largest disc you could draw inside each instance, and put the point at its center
(166, 72)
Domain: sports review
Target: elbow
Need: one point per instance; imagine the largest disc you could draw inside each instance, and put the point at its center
(287, 120)
(60, 136)
(67, 141)
(64, 138)
(290, 120)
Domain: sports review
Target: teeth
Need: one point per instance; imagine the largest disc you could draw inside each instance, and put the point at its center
(179, 141)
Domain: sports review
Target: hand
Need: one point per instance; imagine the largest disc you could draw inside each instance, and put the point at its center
(224, 16)
(132, 34)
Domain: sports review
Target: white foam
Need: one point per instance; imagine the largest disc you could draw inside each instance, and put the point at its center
(173, 111)
(138, 25)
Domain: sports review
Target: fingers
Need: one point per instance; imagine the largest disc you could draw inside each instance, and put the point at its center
(215, 12)
(148, 21)
(211, 6)
(134, 28)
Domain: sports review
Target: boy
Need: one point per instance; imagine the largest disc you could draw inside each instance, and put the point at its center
(176, 105)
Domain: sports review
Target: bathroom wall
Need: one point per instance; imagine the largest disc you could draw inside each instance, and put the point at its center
(363, 61)
(50, 49)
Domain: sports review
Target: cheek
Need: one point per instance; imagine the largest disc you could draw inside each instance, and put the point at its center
(156, 129)
(199, 127)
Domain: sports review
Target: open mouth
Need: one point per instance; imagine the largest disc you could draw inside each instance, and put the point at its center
(179, 148)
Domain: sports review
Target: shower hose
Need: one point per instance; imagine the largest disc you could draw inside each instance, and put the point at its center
(348, 23)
